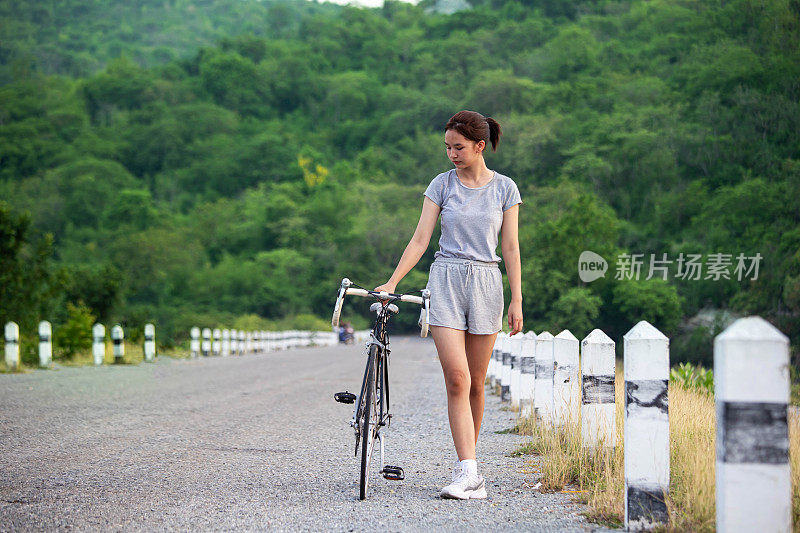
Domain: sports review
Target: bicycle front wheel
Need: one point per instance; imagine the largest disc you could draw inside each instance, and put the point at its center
(369, 421)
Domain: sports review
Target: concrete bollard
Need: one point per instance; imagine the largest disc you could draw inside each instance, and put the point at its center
(194, 344)
(216, 341)
(646, 427)
(149, 343)
(118, 338)
(234, 342)
(226, 343)
(491, 371)
(598, 414)
(98, 344)
(45, 343)
(12, 346)
(751, 389)
(257, 342)
(505, 370)
(205, 346)
(516, 354)
(527, 377)
(566, 379)
(248, 342)
(543, 392)
(242, 346)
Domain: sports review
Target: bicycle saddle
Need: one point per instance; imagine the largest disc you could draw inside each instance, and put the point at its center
(376, 307)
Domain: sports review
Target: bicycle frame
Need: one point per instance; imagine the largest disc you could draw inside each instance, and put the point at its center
(372, 406)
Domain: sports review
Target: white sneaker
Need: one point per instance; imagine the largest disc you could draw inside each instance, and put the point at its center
(465, 487)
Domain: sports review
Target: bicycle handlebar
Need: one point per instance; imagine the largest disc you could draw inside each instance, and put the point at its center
(386, 295)
(346, 289)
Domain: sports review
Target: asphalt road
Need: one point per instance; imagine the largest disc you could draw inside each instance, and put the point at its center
(249, 443)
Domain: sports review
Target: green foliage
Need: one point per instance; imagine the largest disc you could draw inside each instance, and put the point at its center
(691, 376)
(28, 279)
(200, 165)
(74, 335)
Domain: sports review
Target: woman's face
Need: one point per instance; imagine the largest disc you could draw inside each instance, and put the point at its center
(461, 151)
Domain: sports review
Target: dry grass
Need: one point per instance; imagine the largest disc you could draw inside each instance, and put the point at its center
(600, 473)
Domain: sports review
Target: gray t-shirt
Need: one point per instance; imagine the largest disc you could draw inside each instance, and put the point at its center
(472, 218)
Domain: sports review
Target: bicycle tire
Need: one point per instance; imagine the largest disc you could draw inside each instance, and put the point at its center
(368, 425)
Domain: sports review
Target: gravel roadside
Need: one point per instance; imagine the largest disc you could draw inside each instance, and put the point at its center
(249, 443)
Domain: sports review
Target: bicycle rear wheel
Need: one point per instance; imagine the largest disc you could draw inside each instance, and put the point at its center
(369, 421)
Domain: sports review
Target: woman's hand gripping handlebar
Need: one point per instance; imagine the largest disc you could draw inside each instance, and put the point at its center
(347, 289)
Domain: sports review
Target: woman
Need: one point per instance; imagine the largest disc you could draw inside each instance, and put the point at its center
(465, 282)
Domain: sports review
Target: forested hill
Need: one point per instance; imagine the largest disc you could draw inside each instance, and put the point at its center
(240, 181)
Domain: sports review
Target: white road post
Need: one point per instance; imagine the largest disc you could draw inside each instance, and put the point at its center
(194, 344)
(543, 392)
(241, 345)
(205, 347)
(98, 344)
(249, 342)
(566, 379)
(527, 377)
(118, 338)
(45, 343)
(492, 370)
(234, 342)
(516, 354)
(505, 370)
(751, 389)
(12, 346)
(257, 341)
(598, 413)
(216, 342)
(646, 427)
(226, 342)
(149, 343)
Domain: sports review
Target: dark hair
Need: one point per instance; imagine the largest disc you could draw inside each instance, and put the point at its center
(475, 127)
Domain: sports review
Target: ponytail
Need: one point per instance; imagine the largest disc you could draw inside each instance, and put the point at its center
(494, 132)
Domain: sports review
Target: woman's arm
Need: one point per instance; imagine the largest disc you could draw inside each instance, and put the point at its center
(417, 246)
(511, 256)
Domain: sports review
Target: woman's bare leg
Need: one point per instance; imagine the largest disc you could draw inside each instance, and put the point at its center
(450, 343)
(479, 353)
(464, 358)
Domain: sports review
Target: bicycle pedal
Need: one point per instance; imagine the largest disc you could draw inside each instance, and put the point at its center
(344, 397)
(394, 473)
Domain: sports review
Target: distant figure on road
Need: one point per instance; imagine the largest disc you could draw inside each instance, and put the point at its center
(476, 204)
(346, 332)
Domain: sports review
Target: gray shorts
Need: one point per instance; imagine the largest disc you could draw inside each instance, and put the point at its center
(466, 295)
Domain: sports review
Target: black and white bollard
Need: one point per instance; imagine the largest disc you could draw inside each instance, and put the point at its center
(194, 343)
(543, 393)
(505, 370)
(205, 346)
(527, 375)
(98, 344)
(216, 341)
(226, 342)
(566, 379)
(45, 343)
(234, 342)
(149, 343)
(516, 352)
(751, 389)
(12, 346)
(491, 372)
(240, 344)
(598, 414)
(646, 427)
(118, 339)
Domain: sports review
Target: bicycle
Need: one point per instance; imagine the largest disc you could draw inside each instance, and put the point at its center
(371, 410)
